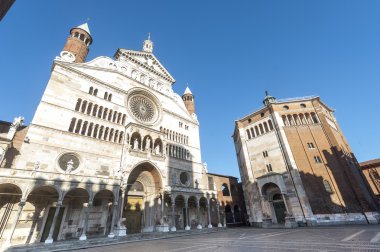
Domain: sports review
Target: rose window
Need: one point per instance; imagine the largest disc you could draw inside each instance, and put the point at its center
(143, 106)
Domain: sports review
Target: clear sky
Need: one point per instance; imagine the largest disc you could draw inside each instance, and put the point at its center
(229, 52)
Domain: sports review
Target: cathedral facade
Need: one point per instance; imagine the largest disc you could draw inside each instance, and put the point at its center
(297, 167)
(111, 150)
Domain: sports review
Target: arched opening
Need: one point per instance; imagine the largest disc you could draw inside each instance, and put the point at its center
(273, 197)
(147, 143)
(213, 212)
(102, 207)
(237, 214)
(143, 205)
(10, 196)
(229, 215)
(44, 200)
(158, 146)
(203, 218)
(192, 219)
(74, 203)
(225, 190)
(136, 141)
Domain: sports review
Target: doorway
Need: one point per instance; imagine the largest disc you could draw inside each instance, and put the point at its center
(279, 208)
(133, 214)
(49, 221)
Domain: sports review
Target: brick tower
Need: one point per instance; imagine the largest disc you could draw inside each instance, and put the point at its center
(188, 99)
(78, 43)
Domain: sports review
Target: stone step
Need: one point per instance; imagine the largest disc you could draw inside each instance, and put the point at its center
(101, 241)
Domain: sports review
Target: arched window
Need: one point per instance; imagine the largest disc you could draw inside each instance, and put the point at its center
(110, 115)
(327, 186)
(296, 120)
(89, 132)
(123, 120)
(302, 119)
(249, 134)
(109, 97)
(100, 111)
(84, 104)
(290, 119)
(89, 107)
(119, 118)
(111, 135)
(252, 132)
(285, 107)
(116, 136)
(105, 137)
(114, 116)
(270, 124)
(257, 131)
(79, 124)
(95, 133)
(105, 95)
(105, 113)
(315, 118)
(95, 91)
(308, 119)
(303, 105)
(285, 120)
(101, 131)
(77, 106)
(84, 128)
(91, 91)
(72, 124)
(261, 129)
(266, 127)
(121, 137)
(225, 190)
(95, 110)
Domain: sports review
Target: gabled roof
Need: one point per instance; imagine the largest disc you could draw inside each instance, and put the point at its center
(147, 60)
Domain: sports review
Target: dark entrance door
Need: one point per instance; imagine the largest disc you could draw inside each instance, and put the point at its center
(184, 217)
(49, 221)
(279, 209)
(133, 214)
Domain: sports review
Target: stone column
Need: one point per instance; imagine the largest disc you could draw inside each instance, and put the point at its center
(112, 234)
(187, 214)
(225, 218)
(173, 228)
(7, 242)
(286, 205)
(51, 231)
(233, 216)
(209, 215)
(87, 206)
(199, 226)
(162, 205)
(218, 212)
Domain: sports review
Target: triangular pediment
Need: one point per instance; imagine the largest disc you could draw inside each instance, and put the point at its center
(146, 60)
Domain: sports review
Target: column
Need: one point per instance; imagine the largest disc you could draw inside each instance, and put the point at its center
(208, 212)
(51, 231)
(218, 212)
(225, 218)
(233, 215)
(199, 226)
(7, 242)
(286, 205)
(173, 228)
(112, 234)
(187, 214)
(162, 205)
(87, 207)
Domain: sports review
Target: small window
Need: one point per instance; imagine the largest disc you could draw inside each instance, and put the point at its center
(210, 183)
(249, 134)
(180, 124)
(269, 168)
(310, 145)
(302, 105)
(225, 190)
(317, 159)
(249, 120)
(327, 186)
(265, 154)
(285, 107)
(262, 114)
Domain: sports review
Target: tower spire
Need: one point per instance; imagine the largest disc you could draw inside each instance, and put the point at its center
(188, 99)
(148, 44)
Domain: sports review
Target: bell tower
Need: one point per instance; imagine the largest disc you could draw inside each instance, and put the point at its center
(188, 99)
(148, 45)
(78, 43)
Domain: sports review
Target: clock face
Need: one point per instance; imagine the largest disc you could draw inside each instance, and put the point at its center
(143, 106)
(67, 56)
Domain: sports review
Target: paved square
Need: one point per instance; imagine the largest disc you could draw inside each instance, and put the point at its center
(342, 238)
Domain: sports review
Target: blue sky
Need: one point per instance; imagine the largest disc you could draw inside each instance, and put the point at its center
(229, 52)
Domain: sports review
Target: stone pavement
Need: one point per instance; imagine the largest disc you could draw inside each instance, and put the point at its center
(336, 238)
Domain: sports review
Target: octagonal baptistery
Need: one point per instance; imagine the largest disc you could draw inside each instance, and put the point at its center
(110, 136)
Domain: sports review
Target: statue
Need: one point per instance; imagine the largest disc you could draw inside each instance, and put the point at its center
(70, 166)
(147, 144)
(136, 144)
(196, 183)
(17, 122)
(157, 149)
(37, 165)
